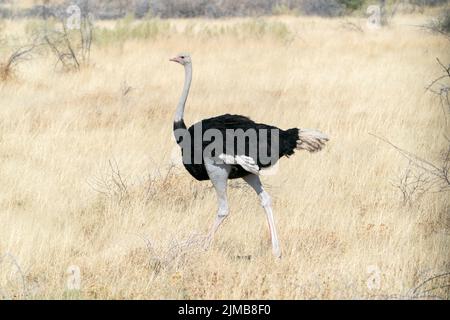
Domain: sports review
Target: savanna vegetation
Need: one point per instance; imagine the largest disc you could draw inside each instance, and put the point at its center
(93, 200)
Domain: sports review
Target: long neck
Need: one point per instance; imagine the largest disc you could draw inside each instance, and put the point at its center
(179, 114)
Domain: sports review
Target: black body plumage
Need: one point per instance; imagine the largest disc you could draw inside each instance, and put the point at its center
(287, 142)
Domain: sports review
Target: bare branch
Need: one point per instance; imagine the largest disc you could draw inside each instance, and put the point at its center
(440, 174)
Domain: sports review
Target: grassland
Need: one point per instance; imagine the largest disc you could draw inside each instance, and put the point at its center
(88, 176)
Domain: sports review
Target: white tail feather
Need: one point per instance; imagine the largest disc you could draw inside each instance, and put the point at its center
(311, 140)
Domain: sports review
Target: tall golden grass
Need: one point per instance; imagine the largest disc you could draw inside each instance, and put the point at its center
(88, 180)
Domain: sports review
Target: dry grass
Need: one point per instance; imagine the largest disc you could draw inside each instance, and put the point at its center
(66, 137)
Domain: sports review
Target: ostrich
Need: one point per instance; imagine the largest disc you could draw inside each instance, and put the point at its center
(236, 163)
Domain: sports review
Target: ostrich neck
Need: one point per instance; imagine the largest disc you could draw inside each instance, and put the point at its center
(179, 114)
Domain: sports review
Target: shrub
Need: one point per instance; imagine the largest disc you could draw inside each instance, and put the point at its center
(428, 2)
(441, 24)
(444, 22)
(7, 67)
(352, 5)
(261, 28)
(212, 8)
(327, 8)
(126, 29)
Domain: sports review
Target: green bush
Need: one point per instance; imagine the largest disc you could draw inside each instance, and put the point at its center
(444, 22)
(259, 28)
(128, 29)
(441, 24)
(352, 5)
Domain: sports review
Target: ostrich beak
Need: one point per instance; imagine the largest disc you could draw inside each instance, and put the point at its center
(175, 60)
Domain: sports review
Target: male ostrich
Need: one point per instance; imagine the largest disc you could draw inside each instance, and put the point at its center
(234, 164)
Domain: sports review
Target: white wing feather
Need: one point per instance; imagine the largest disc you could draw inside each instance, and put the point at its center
(245, 162)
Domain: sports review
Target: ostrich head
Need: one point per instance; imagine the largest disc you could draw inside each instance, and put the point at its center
(182, 58)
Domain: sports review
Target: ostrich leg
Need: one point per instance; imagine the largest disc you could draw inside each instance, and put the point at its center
(218, 174)
(254, 181)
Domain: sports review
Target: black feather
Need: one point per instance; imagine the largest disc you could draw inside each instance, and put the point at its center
(287, 142)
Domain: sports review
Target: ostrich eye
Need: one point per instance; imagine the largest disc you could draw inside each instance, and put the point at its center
(182, 57)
